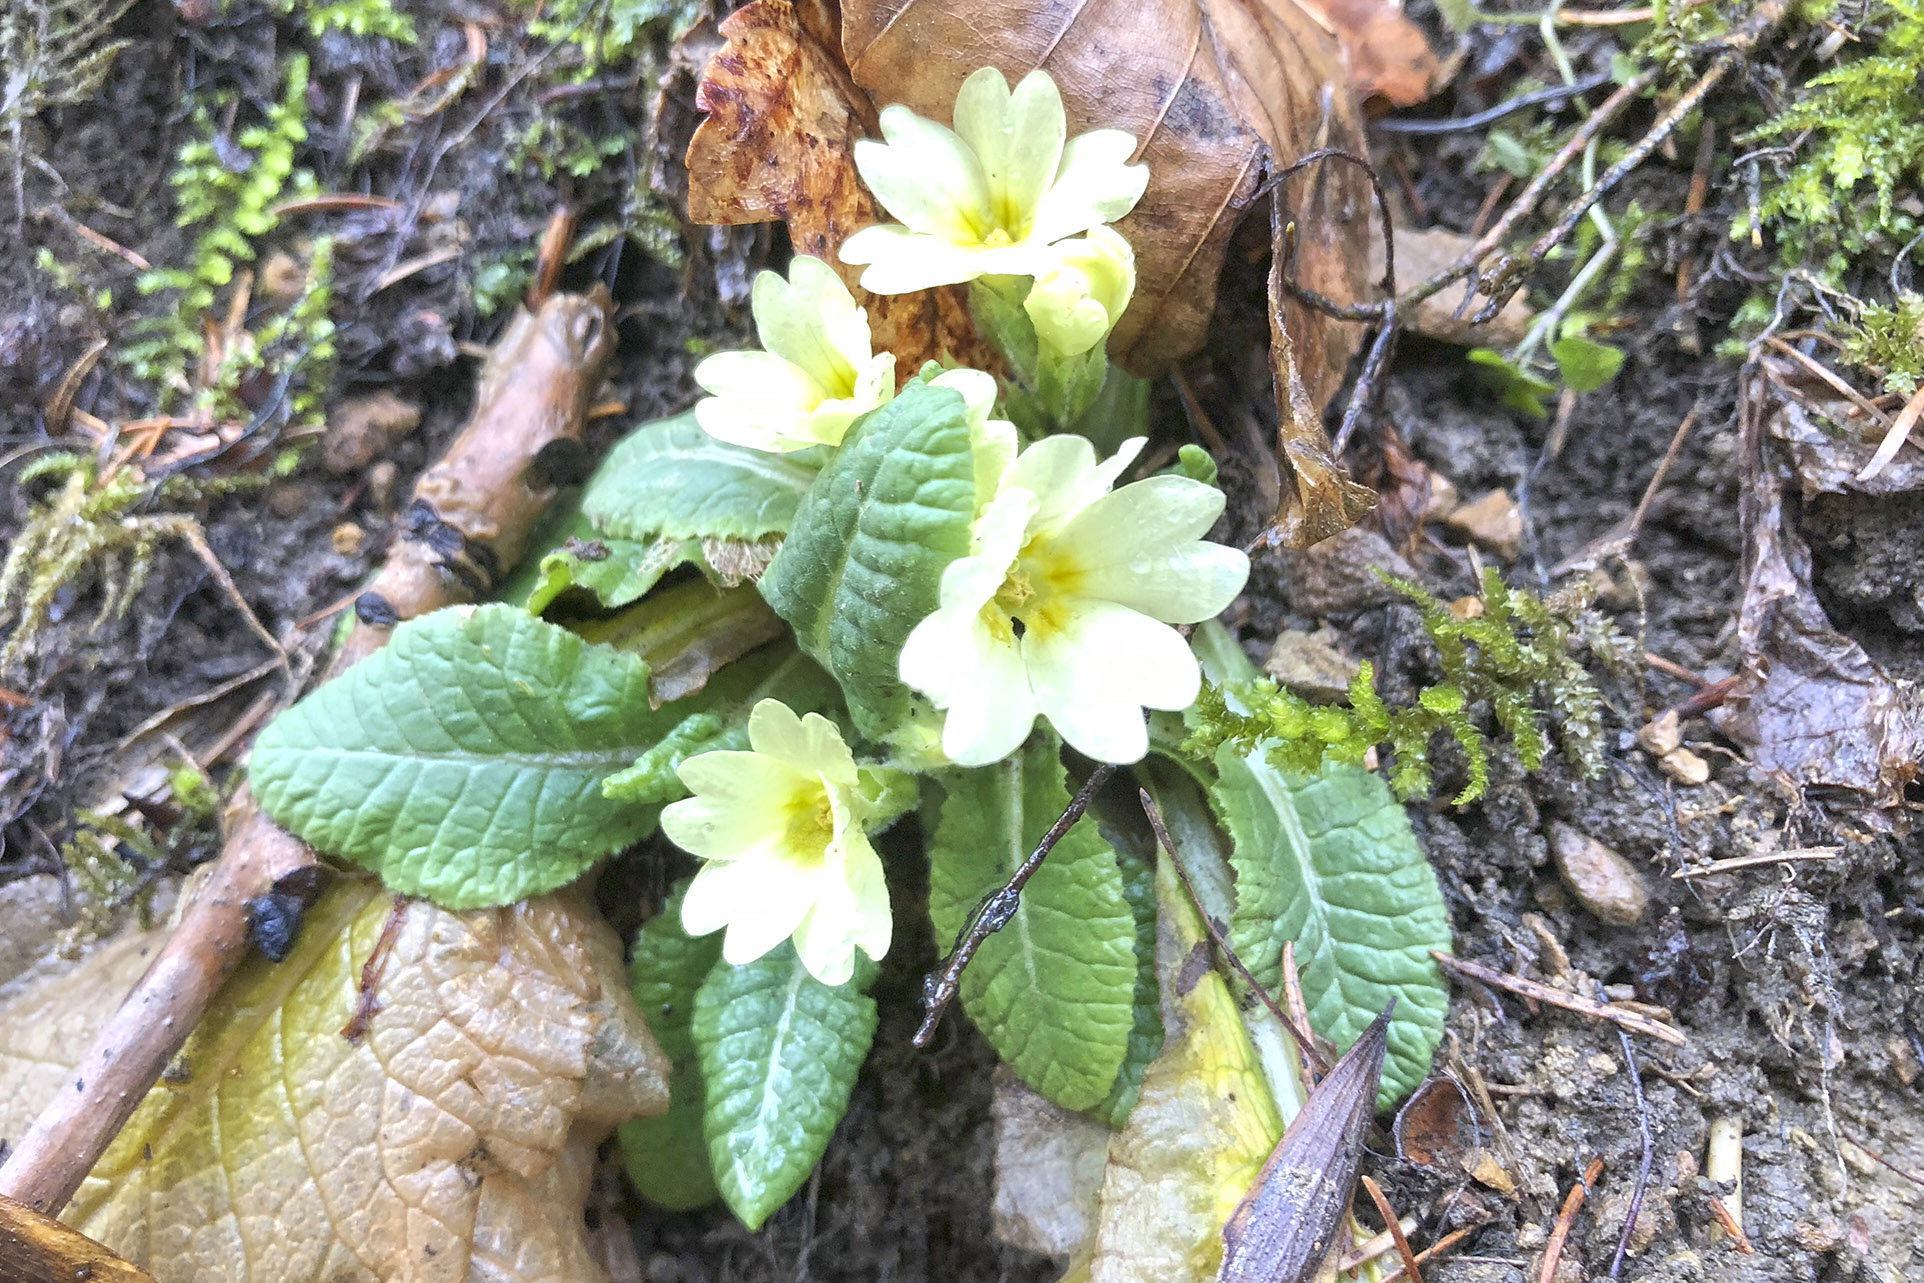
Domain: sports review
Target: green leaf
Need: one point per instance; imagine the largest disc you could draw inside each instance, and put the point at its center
(616, 571)
(863, 561)
(463, 761)
(1145, 1030)
(1586, 364)
(1329, 862)
(670, 478)
(779, 1051)
(1515, 387)
(1054, 990)
(666, 1155)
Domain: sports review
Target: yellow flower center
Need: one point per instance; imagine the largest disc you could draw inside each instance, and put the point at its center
(1034, 595)
(811, 821)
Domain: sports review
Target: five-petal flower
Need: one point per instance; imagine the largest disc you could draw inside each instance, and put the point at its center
(989, 197)
(1063, 606)
(1077, 301)
(780, 827)
(817, 376)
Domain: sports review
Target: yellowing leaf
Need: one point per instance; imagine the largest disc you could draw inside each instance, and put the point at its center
(452, 1141)
(1201, 1130)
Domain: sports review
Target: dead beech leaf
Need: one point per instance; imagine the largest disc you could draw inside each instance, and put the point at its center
(454, 1141)
(778, 144)
(1319, 500)
(1809, 705)
(1209, 88)
(1201, 1130)
(1389, 56)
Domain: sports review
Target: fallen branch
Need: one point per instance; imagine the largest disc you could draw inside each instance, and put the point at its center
(1633, 1021)
(471, 518)
(1553, 1251)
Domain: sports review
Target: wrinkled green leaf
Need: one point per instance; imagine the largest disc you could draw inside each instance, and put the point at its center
(1145, 1029)
(667, 1157)
(1586, 364)
(1329, 861)
(1054, 990)
(672, 479)
(463, 761)
(1516, 388)
(864, 557)
(779, 1051)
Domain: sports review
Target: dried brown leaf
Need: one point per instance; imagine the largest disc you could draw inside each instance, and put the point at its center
(453, 1142)
(778, 144)
(1319, 500)
(1389, 56)
(1210, 88)
(1810, 705)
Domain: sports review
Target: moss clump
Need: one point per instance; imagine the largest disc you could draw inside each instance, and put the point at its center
(55, 53)
(1888, 340)
(1859, 129)
(1514, 655)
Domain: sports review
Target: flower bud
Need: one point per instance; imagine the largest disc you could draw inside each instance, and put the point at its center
(1077, 302)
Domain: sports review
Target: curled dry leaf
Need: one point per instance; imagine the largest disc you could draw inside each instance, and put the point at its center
(1810, 705)
(1319, 501)
(454, 1141)
(1209, 88)
(778, 143)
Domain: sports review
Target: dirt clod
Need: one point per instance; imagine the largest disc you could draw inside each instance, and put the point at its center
(1313, 665)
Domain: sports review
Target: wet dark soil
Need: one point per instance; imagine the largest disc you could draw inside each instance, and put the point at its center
(1799, 984)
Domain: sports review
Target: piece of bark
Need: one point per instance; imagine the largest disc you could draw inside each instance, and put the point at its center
(35, 1248)
(471, 519)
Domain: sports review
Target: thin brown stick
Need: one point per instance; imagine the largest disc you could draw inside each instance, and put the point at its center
(1731, 1226)
(1832, 380)
(1672, 668)
(478, 506)
(1437, 1248)
(1299, 1033)
(1900, 432)
(1410, 1266)
(998, 909)
(1293, 999)
(1813, 854)
(1572, 1203)
(1630, 1020)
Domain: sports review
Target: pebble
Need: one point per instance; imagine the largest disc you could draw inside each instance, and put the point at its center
(349, 539)
(1685, 767)
(1337, 576)
(1492, 521)
(1663, 735)
(363, 428)
(1313, 665)
(1603, 882)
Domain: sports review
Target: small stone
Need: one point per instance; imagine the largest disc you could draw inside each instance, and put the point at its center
(1663, 735)
(363, 428)
(1443, 498)
(1485, 1170)
(1603, 882)
(1464, 609)
(1312, 664)
(1338, 575)
(1903, 1060)
(1825, 1236)
(1685, 767)
(1492, 521)
(290, 499)
(281, 278)
(380, 485)
(349, 539)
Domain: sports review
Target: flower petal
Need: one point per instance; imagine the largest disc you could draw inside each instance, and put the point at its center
(992, 441)
(1062, 472)
(811, 321)
(811, 745)
(1095, 184)
(1017, 138)
(1094, 668)
(901, 261)
(927, 177)
(1141, 546)
(851, 911)
(761, 401)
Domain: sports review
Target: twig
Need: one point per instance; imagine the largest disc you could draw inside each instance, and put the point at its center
(1305, 1042)
(1711, 696)
(1731, 1226)
(544, 372)
(1672, 668)
(1831, 379)
(1557, 998)
(1800, 855)
(1437, 1248)
(1490, 115)
(1643, 1166)
(1894, 439)
(1572, 1203)
(1618, 542)
(1884, 1162)
(1292, 994)
(1410, 1268)
(998, 909)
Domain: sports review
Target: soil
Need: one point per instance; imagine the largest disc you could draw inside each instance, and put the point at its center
(1799, 985)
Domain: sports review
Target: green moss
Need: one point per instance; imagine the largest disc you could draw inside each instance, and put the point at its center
(1515, 657)
(607, 31)
(55, 53)
(1888, 340)
(1859, 132)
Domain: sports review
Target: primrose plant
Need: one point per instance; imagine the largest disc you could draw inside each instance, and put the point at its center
(831, 594)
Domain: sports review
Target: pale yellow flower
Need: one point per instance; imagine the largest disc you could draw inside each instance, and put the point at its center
(817, 376)
(1063, 607)
(780, 828)
(1076, 302)
(990, 196)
